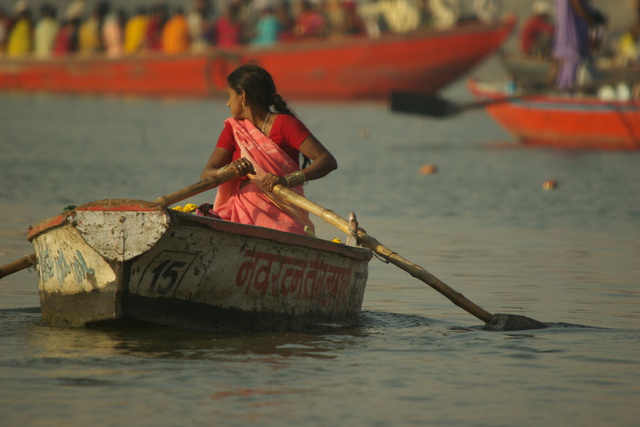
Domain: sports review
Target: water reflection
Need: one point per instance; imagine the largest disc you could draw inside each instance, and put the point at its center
(158, 342)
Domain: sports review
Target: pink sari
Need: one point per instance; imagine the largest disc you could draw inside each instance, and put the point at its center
(250, 204)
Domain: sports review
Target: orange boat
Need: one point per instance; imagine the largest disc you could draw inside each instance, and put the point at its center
(353, 67)
(563, 121)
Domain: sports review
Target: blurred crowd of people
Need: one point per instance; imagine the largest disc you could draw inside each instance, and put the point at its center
(573, 36)
(170, 29)
(545, 23)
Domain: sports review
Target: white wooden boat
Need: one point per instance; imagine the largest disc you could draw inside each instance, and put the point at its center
(134, 260)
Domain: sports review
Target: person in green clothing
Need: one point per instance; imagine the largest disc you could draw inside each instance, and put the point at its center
(267, 28)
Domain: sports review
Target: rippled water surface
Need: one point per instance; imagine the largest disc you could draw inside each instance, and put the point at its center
(483, 224)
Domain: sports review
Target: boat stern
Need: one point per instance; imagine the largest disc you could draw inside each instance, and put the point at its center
(82, 256)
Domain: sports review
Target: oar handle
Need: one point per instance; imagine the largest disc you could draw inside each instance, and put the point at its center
(393, 257)
(420, 273)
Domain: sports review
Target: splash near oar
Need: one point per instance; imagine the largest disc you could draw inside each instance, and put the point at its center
(494, 322)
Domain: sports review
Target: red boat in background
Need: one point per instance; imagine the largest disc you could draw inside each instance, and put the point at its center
(563, 121)
(345, 68)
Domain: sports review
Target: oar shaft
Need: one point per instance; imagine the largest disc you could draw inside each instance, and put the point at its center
(394, 258)
(420, 273)
(206, 184)
(20, 264)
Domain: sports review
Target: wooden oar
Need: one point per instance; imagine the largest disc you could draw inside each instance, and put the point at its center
(20, 264)
(206, 184)
(498, 322)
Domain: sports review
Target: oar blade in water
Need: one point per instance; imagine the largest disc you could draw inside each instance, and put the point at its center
(512, 322)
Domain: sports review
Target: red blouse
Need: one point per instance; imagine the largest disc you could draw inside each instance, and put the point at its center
(287, 132)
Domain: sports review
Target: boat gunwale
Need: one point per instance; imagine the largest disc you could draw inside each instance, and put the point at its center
(544, 101)
(178, 218)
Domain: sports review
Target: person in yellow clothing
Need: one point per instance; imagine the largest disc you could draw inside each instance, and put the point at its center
(135, 30)
(20, 40)
(175, 34)
(629, 47)
(90, 33)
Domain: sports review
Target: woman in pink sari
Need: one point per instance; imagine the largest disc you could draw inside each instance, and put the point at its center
(267, 144)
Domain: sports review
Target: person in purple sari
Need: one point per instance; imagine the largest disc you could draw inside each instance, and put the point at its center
(572, 46)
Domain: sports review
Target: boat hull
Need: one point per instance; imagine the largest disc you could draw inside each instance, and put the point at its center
(353, 67)
(132, 260)
(563, 121)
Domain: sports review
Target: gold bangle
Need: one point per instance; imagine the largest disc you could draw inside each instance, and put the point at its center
(295, 179)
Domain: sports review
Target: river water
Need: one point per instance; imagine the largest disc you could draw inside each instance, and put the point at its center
(483, 224)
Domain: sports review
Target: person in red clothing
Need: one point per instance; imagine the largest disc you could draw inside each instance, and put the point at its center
(310, 22)
(153, 34)
(537, 34)
(65, 41)
(227, 30)
(267, 144)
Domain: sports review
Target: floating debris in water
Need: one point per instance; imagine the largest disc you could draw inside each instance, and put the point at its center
(428, 169)
(364, 133)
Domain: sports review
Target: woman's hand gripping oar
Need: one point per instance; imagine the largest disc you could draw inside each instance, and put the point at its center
(496, 322)
(225, 174)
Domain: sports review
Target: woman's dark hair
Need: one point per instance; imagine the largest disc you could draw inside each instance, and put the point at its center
(260, 90)
(258, 86)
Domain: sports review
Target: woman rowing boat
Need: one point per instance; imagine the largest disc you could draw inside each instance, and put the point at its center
(266, 144)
